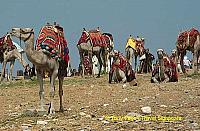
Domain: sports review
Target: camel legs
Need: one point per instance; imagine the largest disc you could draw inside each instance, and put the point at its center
(3, 69)
(52, 91)
(11, 69)
(136, 63)
(195, 68)
(100, 63)
(61, 92)
(41, 91)
(81, 63)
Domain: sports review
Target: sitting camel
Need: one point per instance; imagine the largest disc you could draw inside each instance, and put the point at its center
(8, 53)
(46, 57)
(165, 70)
(121, 70)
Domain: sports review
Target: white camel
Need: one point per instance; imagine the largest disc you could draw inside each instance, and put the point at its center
(43, 62)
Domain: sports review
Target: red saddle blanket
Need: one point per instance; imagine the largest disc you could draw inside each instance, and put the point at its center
(6, 43)
(183, 37)
(97, 38)
(51, 40)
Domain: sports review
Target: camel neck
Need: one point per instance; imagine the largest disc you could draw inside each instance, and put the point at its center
(30, 45)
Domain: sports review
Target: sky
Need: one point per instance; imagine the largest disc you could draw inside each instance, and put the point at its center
(158, 21)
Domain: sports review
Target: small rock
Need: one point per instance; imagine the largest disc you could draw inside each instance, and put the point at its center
(39, 122)
(133, 114)
(146, 110)
(101, 118)
(105, 104)
(126, 99)
(69, 109)
(82, 114)
(92, 86)
(163, 106)
(124, 86)
(105, 122)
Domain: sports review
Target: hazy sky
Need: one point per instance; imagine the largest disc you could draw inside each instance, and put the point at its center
(159, 21)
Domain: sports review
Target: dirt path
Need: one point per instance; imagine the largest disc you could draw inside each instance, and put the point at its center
(88, 101)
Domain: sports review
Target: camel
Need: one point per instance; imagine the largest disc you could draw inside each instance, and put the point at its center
(188, 40)
(134, 48)
(43, 62)
(121, 70)
(86, 46)
(9, 53)
(165, 70)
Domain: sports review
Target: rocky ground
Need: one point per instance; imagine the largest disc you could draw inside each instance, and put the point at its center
(93, 104)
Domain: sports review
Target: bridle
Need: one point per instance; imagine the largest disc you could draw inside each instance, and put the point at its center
(23, 32)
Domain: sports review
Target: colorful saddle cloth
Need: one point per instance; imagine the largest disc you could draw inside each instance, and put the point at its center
(6, 43)
(131, 42)
(97, 38)
(183, 37)
(51, 40)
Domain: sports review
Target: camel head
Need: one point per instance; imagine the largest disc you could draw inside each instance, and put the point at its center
(22, 33)
(160, 53)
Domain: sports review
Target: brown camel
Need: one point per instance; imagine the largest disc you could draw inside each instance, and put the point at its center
(188, 40)
(92, 45)
(8, 53)
(134, 48)
(44, 62)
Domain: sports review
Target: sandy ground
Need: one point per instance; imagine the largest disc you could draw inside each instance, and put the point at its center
(89, 104)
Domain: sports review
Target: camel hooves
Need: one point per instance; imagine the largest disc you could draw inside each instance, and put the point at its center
(61, 109)
(98, 76)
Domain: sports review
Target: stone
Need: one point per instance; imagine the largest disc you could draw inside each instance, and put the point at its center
(163, 106)
(146, 110)
(126, 99)
(82, 114)
(124, 85)
(105, 122)
(40, 122)
(105, 104)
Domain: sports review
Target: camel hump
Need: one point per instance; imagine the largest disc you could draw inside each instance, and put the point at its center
(52, 41)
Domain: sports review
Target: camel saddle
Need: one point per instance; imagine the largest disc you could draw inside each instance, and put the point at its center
(97, 38)
(6, 43)
(52, 41)
(183, 37)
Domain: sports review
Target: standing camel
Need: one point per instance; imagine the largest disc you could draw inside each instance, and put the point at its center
(134, 48)
(8, 53)
(165, 70)
(95, 43)
(188, 40)
(46, 58)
